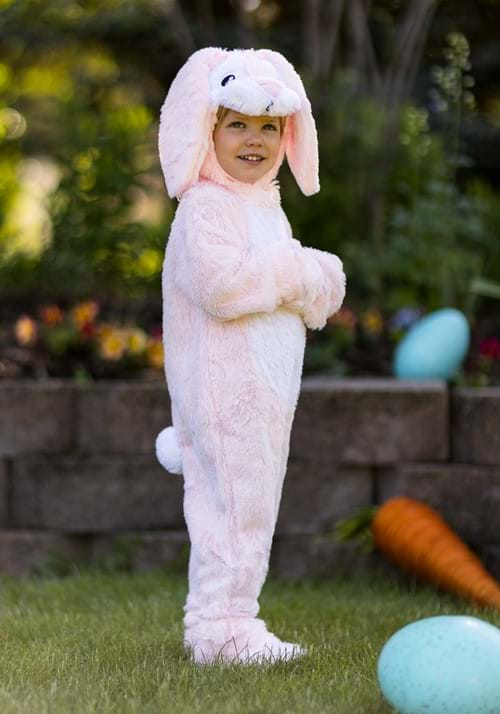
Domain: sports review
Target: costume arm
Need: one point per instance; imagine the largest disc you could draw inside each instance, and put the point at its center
(328, 299)
(226, 276)
(332, 293)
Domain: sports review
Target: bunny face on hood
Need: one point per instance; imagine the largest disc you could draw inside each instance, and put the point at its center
(250, 85)
(252, 82)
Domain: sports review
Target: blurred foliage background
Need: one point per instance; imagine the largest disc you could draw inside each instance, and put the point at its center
(407, 100)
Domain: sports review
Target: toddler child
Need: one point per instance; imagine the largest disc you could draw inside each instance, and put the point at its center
(238, 293)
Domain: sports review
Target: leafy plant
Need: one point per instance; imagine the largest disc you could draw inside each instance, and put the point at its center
(99, 211)
(58, 564)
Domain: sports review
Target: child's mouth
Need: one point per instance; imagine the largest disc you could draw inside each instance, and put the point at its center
(252, 158)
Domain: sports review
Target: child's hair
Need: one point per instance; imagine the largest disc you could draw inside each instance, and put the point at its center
(223, 111)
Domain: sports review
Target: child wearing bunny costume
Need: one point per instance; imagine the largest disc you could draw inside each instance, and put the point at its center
(238, 293)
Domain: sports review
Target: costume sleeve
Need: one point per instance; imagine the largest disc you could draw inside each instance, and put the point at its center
(226, 276)
(328, 299)
(332, 293)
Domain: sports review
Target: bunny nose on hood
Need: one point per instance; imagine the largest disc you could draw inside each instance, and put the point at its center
(272, 88)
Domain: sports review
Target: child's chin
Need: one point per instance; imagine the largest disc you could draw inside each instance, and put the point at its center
(251, 175)
(249, 180)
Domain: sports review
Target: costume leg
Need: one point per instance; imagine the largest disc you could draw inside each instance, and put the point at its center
(230, 505)
(293, 395)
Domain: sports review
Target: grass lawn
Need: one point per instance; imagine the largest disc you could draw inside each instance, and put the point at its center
(112, 643)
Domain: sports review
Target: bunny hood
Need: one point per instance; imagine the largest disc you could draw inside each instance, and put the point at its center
(254, 82)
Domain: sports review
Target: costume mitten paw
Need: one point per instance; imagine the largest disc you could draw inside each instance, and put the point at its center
(306, 278)
(332, 293)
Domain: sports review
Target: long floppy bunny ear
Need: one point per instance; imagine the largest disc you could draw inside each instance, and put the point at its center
(302, 142)
(186, 121)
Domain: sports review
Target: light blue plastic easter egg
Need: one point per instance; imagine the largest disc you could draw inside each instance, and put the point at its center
(434, 347)
(442, 665)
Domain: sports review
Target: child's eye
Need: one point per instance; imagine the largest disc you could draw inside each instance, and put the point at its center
(271, 126)
(237, 124)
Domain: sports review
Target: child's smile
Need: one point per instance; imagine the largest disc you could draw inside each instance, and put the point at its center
(247, 146)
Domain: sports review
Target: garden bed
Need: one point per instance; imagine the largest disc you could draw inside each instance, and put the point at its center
(90, 341)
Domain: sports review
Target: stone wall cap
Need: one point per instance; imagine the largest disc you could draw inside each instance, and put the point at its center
(52, 383)
(313, 382)
(71, 384)
(372, 384)
(476, 392)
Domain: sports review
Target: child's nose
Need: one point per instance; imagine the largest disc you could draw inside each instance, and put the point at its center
(254, 138)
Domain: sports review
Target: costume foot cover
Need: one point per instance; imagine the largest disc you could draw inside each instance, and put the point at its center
(243, 641)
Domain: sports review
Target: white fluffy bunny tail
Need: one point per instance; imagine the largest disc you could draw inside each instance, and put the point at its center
(168, 451)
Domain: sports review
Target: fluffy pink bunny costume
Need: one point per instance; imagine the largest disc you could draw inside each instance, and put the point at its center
(238, 291)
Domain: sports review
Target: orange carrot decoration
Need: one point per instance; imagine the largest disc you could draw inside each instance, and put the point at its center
(417, 539)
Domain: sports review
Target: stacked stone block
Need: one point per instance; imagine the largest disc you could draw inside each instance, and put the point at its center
(78, 473)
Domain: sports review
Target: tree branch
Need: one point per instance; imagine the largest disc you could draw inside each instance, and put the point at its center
(333, 17)
(205, 16)
(363, 55)
(410, 40)
(312, 37)
(182, 35)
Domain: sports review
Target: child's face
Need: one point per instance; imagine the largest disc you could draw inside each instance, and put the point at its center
(238, 136)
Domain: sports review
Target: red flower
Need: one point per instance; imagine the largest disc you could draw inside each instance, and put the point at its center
(490, 347)
(51, 315)
(156, 332)
(88, 329)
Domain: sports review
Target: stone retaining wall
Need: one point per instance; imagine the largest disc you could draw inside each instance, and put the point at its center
(79, 480)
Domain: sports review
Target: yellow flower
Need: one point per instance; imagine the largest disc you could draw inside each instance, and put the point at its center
(103, 330)
(85, 312)
(136, 341)
(155, 353)
(113, 345)
(372, 321)
(25, 330)
(51, 315)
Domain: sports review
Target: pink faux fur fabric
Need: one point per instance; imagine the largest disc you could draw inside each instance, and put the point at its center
(238, 293)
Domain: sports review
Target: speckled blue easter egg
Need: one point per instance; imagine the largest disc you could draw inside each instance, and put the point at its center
(434, 347)
(442, 665)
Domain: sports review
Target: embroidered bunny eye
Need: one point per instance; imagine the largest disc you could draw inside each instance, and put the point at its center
(227, 79)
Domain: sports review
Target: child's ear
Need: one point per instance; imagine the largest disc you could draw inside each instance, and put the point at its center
(186, 121)
(300, 132)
